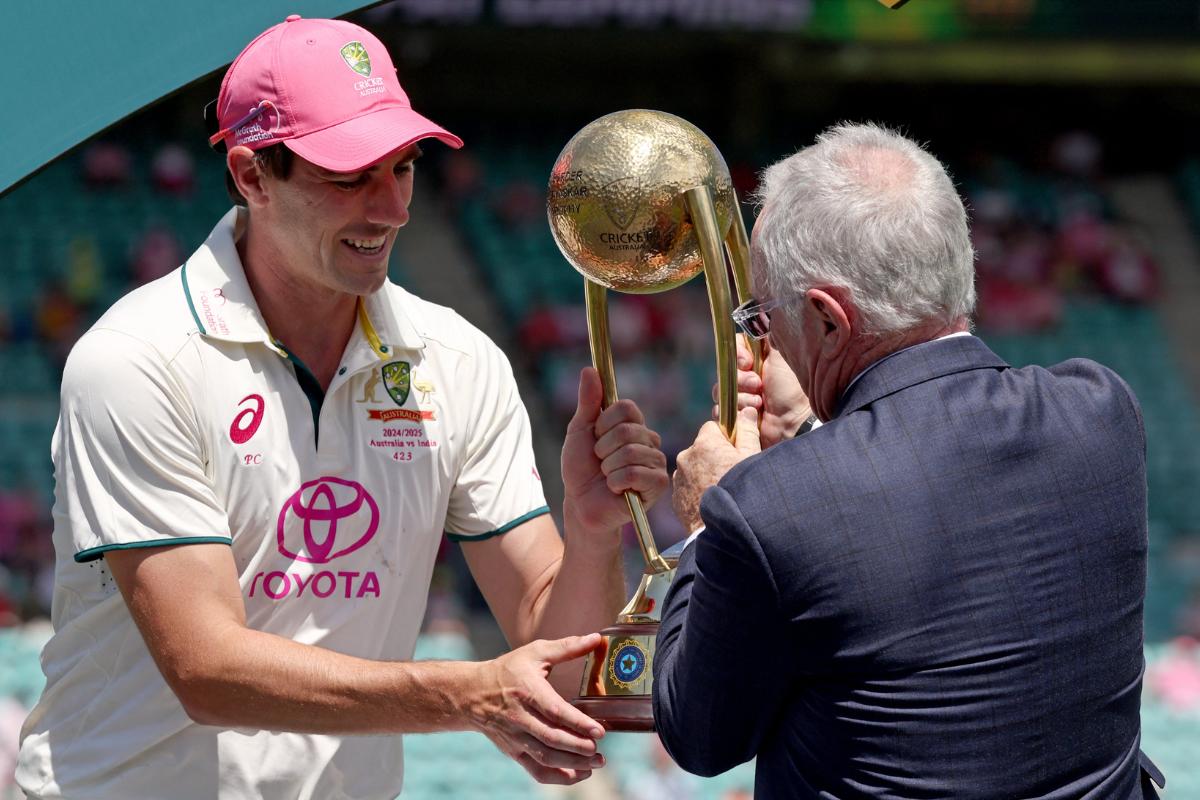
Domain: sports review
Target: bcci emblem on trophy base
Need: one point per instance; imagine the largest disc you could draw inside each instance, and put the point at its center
(627, 663)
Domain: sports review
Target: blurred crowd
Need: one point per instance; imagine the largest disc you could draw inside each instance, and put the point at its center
(1040, 235)
(1044, 227)
(40, 323)
(76, 290)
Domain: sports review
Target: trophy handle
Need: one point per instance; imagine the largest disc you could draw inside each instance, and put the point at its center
(737, 245)
(596, 297)
(716, 277)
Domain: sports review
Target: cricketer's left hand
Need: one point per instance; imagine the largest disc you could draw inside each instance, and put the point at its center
(606, 453)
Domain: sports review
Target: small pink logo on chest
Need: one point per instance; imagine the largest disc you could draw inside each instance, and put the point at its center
(325, 519)
(242, 429)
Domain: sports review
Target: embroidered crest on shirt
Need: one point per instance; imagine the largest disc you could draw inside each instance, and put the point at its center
(404, 433)
(397, 380)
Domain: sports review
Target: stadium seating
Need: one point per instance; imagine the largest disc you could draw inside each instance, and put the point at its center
(521, 266)
(1189, 189)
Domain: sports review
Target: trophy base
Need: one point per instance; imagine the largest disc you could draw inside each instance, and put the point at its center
(617, 678)
(627, 714)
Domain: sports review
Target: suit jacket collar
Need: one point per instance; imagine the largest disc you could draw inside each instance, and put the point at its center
(917, 364)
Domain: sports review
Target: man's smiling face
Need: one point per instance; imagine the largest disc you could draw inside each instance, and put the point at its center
(336, 230)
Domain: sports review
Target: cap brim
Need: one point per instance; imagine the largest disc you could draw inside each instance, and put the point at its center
(358, 143)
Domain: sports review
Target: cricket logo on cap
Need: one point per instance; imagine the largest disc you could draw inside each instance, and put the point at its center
(397, 378)
(356, 58)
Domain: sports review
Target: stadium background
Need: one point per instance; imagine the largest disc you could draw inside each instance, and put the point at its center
(1069, 127)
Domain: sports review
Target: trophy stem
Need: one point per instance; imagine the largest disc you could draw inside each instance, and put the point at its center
(737, 245)
(596, 297)
(645, 607)
(716, 277)
(622, 212)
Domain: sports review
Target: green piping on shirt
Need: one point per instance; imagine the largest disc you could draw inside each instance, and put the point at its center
(479, 537)
(311, 388)
(92, 553)
(191, 305)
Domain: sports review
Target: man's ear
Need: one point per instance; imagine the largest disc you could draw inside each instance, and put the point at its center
(831, 309)
(247, 175)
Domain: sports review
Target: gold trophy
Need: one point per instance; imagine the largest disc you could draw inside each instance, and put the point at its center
(640, 201)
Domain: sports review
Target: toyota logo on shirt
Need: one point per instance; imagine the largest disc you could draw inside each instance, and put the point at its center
(326, 518)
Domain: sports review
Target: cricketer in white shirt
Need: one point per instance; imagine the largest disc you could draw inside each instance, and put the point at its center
(182, 421)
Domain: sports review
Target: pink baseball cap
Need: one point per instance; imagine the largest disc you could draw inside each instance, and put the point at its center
(325, 88)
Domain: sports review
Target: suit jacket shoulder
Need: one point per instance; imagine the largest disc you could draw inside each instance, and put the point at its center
(946, 581)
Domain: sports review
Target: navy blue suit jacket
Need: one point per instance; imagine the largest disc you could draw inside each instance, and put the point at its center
(937, 594)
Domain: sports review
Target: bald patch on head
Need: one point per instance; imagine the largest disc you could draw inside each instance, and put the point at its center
(878, 169)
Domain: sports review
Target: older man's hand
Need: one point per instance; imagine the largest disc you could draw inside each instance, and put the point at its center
(782, 405)
(707, 461)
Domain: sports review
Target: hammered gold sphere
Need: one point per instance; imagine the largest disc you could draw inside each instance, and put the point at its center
(616, 206)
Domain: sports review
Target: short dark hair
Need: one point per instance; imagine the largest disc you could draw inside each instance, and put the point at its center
(276, 160)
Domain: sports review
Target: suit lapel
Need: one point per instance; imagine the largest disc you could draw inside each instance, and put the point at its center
(917, 364)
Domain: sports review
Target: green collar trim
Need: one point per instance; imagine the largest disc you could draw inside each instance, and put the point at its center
(191, 306)
(309, 385)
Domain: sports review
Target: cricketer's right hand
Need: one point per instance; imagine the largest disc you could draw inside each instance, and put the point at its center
(516, 707)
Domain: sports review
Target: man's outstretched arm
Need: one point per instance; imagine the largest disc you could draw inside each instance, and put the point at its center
(188, 605)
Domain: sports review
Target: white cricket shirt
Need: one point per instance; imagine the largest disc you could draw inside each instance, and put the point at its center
(182, 421)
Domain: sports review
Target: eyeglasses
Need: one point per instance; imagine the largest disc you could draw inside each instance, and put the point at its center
(752, 317)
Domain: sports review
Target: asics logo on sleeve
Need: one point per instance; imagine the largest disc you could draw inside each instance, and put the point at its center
(243, 428)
